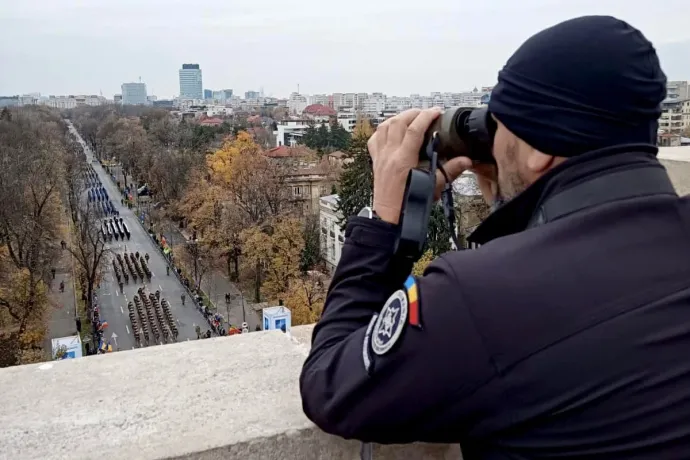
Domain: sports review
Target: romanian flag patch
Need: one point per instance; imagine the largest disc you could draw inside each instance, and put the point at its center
(412, 291)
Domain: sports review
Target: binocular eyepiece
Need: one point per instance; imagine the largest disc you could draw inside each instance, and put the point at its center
(462, 131)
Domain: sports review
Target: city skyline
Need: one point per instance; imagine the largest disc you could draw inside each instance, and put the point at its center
(71, 47)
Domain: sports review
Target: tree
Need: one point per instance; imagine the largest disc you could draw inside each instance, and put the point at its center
(310, 137)
(423, 262)
(339, 137)
(438, 235)
(254, 184)
(311, 254)
(32, 141)
(89, 249)
(323, 138)
(357, 180)
(305, 298)
(199, 258)
(275, 249)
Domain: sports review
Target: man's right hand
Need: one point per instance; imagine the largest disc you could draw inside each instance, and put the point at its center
(487, 180)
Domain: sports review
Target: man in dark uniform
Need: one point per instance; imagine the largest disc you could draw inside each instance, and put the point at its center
(566, 333)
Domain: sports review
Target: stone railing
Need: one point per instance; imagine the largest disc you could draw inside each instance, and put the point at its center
(220, 398)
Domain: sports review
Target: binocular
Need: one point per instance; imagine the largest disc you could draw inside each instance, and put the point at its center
(462, 131)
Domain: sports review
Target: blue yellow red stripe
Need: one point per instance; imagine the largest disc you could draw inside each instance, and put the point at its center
(413, 301)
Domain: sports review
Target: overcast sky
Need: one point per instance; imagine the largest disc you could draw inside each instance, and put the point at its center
(394, 46)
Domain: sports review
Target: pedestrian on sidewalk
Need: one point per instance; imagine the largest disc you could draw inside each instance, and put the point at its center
(63, 244)
(62, 286)
(197, 328)
(167, 270)
(52, 272)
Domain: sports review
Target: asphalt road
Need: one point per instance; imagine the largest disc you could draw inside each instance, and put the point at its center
(113, 303)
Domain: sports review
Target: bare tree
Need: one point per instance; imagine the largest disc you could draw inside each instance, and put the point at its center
(89, 248)
(199, 259)
(30, 141)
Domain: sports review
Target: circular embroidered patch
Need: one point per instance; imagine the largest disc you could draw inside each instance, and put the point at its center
(390, 323)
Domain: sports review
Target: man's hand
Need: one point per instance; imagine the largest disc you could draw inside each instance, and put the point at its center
(394, 150)
(487, 180)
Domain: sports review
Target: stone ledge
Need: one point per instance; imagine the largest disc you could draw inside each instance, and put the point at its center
(226, 397)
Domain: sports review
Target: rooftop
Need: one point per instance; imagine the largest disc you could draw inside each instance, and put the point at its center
(319, 109)
(330, 199)
(227, 397)
(674, 153)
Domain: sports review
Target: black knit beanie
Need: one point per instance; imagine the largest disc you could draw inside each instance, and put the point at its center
(584, 84)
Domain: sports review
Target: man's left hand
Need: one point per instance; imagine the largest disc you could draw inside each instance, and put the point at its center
(394, 150)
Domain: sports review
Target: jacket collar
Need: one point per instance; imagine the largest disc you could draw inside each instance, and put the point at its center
(581, 182)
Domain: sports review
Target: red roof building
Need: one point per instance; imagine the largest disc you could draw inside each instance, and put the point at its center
(211, 122)
(278, 152)
(319, 110)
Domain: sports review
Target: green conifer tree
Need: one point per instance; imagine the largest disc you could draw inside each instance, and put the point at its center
(357, 180)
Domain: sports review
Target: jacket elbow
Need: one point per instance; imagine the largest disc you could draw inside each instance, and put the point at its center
(318, 404)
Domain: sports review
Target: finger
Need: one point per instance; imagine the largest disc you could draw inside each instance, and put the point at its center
(487, 180)
(453, 169)
(414, 136)
(382, 133)
(373, 146)
(398, 125)
(487, 171)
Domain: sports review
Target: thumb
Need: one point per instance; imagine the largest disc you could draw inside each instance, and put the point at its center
(456, 166)
(453, 169)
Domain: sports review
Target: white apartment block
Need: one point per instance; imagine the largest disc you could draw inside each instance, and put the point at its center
(677, 90)
(290, 132)
(62, 102)
(297, 103)
(675, 116)
(348, 120)
(318, 99)
(332, 239)
(374, 105)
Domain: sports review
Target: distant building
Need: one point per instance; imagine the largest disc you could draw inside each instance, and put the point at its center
(164, 103)
(117, 98)
(211, 122)
(290, 132)
(134, 94)
(252, 95)
(669, 140)
(486, 97)
(9, 101)
(28, 99)
(151, 99)
(470, 207)
(348, 120)
(208, 94)
(677, 90)
(319, 112)
(332, 238)
(70, 102)
(190, 82)
(675, 115)
(339, 158)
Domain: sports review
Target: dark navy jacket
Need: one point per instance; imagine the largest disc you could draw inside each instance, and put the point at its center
(565, 335)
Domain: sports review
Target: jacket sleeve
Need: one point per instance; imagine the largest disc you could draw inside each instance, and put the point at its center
(416, 390)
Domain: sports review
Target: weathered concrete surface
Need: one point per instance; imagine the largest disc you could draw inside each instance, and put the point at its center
(227, 397)
(679, 172)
